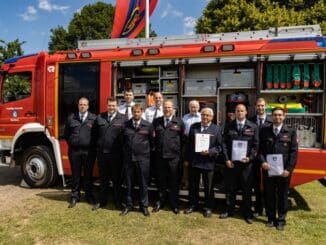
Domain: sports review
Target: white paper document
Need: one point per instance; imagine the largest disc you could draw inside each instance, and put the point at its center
(239, 149)
(201, 142)
(275, 162)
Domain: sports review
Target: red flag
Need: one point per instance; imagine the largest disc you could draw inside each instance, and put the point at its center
(129, 18)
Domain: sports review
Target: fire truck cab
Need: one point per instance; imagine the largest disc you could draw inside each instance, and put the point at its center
(285, 65)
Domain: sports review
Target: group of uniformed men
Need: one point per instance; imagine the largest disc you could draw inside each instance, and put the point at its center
(130, 144)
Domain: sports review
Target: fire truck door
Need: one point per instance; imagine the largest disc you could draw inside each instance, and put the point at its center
(77, 80)
(17, 105)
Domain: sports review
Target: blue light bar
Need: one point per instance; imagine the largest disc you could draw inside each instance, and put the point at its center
(16, 58)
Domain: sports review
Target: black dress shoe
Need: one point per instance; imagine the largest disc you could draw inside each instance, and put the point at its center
(280, 227)
(207, 213)
(156, 208)
(188, 210)
(225, 215)
(145, 212)
(72, 203)
(249, 220)
(125, 211)
(96, 206)
(175, 210)
(270, 224)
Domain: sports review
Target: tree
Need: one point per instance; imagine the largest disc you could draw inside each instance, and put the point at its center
(59, 40)
(10, 49)
(243, 15)
(94, 21)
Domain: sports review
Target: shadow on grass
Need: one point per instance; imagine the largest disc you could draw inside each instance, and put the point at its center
(10, 176)
(297, 202)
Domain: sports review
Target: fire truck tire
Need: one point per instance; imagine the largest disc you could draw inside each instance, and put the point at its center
(323, 181)
(38, 166)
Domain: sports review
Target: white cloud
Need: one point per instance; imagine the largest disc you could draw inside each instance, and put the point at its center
(46, 5)
(29, 14)
(189, 23)
(169, 11)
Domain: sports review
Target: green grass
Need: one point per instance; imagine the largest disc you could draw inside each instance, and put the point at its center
(45, 219)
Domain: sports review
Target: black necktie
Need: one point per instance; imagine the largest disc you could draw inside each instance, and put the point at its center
(261, 122)
(204, 128)
(276, 131)
(240, 127)
(155, 113)
(82, 117)
(167, 122)
(109, 118)
(127, 112)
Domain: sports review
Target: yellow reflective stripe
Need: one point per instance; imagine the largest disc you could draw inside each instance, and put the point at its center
(6, 137)
(64, 157)
(309, 171)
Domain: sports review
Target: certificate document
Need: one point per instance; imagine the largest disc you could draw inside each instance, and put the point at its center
(201, 142)
(276, 164)
(239, 149)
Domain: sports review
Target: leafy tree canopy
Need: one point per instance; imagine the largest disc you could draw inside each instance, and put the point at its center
(244, 15)
(10, 49)
(94, 21)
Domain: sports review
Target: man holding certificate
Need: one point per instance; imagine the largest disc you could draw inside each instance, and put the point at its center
(240, 145)
(278, 157)
(204, 144)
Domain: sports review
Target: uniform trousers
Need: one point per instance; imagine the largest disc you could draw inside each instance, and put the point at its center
(140, 171)
(81, 159)
(239, 176)
(194, 179)
(276, 194)
(168, 180)
(110, 167)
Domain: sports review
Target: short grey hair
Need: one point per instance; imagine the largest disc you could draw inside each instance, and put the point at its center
(207, 109)
(194, 102)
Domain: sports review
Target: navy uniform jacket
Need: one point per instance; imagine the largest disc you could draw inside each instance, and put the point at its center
(109, 133)
(80, 134)
(137, 143)
(284, 143)
(249, 133)
(168, 141)
(268, 121)
(197, 160)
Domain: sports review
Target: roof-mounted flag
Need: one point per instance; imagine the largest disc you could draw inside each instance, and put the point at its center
(129, 18)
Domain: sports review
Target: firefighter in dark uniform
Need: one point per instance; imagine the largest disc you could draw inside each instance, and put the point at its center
(261, 119)
(79, 134)
(203, 163)
(278, 139)
(138, 144)
(109, 130)
(239, 172)
(169, 140)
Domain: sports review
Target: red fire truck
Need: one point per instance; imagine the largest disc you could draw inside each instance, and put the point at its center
(285, 65)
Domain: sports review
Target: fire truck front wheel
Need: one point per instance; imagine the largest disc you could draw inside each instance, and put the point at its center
(38, 166)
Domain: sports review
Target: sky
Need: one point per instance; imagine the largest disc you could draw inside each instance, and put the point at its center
(31, 20)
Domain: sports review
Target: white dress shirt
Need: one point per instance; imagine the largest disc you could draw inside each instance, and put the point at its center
(150, 112)
(122, 109)
(189, 119)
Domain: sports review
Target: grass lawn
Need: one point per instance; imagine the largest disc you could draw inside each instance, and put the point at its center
(45, 219)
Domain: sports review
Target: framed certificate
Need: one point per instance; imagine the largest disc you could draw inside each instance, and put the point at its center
(201, 142)
(275, 162)
(239, 149)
